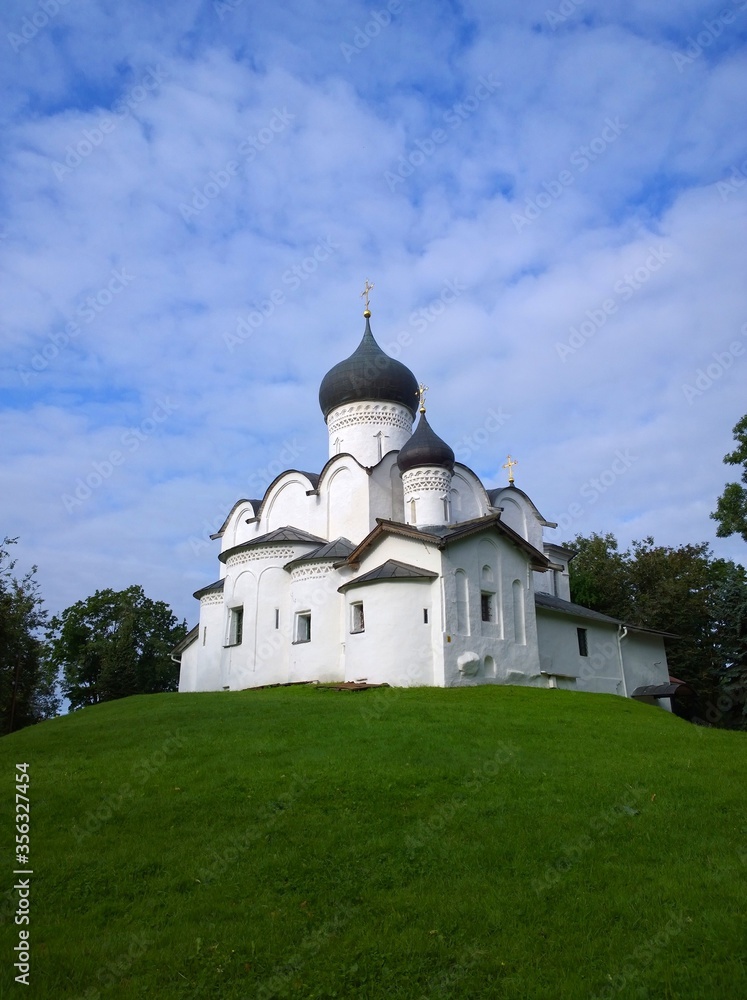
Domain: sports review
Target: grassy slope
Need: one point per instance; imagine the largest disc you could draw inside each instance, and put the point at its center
(490, 842)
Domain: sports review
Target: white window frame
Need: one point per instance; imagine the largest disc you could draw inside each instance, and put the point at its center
(302, 630)
(357, 618)
(235, 626)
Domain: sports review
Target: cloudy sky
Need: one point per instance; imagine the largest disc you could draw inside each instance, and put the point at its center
(549, 197)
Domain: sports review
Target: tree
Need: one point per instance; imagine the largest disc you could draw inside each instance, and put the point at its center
(682, 590)
(27, 680)
(731, 508)
(115, 644)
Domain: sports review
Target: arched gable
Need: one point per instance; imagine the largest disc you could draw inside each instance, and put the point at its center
(467, 496)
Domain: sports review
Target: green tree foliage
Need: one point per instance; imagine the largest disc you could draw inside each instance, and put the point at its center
(731, 508)
(27, 680)
(115, 644)
(682, 590)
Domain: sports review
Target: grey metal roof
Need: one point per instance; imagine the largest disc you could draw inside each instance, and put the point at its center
(286, 534)
(425, 447)
(656, 690)
(568, 608)
(551, 603)
(338, 548)
(188, 639)
(219, 533)
(211, 587)
(368, 374)
(392, 569)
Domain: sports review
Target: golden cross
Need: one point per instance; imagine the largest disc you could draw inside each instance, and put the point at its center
(422, 389)
(510, 466)
(364, 294)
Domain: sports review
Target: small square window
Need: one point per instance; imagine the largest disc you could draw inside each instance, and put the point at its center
(235, 626)
(357, 621)
(486, 607)
(583, 642)
(303, 627)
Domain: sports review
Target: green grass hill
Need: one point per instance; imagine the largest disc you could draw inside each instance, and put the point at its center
(309, 843)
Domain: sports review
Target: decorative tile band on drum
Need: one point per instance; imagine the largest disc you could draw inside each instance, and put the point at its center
(211, 599)
(262, 552)
(356, 414)
(314, 571)
(427, 479)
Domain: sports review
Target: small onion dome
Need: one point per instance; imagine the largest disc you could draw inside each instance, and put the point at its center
(425, 447)
(368, 374)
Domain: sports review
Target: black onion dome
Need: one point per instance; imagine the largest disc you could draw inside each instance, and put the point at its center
(368, 374)
(425, 447)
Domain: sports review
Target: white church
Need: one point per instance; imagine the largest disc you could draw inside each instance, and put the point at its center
(395, 565)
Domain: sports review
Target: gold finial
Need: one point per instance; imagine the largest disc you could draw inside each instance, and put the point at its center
(364, 294)
(422, 389)
(510, 466)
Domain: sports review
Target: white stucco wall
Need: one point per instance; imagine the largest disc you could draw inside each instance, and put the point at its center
(645, 660)
(355, 428)
(397, 646)
(511, 639)
(314, 591)
(559, 653)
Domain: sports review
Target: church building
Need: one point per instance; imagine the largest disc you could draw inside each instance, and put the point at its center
(394, 564)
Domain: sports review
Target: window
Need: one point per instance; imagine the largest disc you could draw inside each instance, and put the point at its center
(487, 607)
(583, 642)
(235, 626)
(413, 512)
(447, 511)
(277, 617)
(303, 627)
(462, 601)
(204, 635)
(425, 616)
(357, 622)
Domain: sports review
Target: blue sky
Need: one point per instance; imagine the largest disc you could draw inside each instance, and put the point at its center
(549, 197)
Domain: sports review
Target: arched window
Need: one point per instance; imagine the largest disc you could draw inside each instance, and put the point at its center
(462, 602)
(413, 512)
(487, 574)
